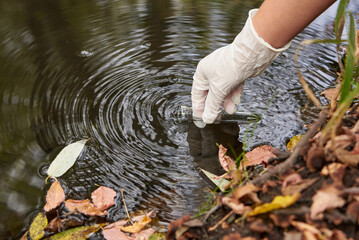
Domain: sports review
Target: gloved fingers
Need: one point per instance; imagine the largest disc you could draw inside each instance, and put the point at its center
(199, 95)
(233, 99)
(213, 107)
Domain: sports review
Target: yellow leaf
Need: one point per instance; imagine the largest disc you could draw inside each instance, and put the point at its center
(137, 226)
(293, 142)
(78, 233)
(37, 226)
(278, 202)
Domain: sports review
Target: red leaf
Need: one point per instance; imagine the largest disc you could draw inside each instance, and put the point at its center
(103, 197)
(260, 155)
(84, 206)
(114, 234)
(55, 196)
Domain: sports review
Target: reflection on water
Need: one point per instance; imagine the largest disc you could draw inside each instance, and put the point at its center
(115, 71)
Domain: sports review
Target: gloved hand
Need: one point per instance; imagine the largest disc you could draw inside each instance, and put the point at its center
(219, 78)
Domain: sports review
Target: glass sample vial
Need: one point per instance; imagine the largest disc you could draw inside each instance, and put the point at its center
(184, 114)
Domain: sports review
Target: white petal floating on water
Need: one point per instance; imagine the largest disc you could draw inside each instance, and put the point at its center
(66, 158)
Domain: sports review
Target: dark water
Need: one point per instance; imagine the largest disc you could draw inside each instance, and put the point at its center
(115, 71)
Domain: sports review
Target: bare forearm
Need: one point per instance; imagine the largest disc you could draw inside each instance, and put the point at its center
(278, 21)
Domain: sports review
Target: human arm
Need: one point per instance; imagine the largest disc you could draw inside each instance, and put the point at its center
(219, 78)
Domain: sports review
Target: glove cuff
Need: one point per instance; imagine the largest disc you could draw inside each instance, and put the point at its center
(251, 14)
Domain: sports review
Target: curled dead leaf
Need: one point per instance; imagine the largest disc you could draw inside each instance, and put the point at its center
(244, 190)
(260, 226)
(298, 187)
(235, 205)
(292, 179)
(310, 232)
(226, 162)
(353, 210)
(137, 226)
(282, 220)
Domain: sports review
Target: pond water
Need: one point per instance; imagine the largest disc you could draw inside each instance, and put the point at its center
(115, 71)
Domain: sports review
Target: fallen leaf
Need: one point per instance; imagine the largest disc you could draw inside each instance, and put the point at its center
(143, 235)
(24, 237)
(226, 162)
(114, 234)
(310, 232)
(282, 220)
(325, 198)
(244, 190)
(278, 202)
(315, 157)
(292, 179)
(260, 155)
(137, 226)
(259, 226)
(331, 93)
(220, 183)
(293, 142)
(157, 236)
(103, 198)
(293, 235)
(150, 214)
(299, 187)
(66, 158)
(236, 206)
(54, 197)
(37, 226)
(193, 223)
(175, 225)
(117, 224)
(78, 233)
(233, 236)
(54, 225)
(84, 206)
(353, 210)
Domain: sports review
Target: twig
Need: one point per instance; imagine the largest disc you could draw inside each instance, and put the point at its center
(220, 221)
(124, 203)
(212, 210)
(284, 166)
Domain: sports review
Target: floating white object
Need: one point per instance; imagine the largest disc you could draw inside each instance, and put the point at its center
(66, 158)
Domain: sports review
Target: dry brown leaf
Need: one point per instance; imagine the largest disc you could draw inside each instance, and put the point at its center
(310, 232)
(233, 236)
(114, 234)
(117, 224)
(315, 157)
(293, 178)
(139, 218)
(259, 226)
(260, 155)
(291, 189)
(54, 225)
(54, 197)
(348, 157)
(175, 225)
(143, 235)
(226, 162)
(84, 206)
(244, 190)
(281, 220)
(326, 198)
(353, 210)
(331, 93)
(235, 205)
(103, 198)
(137, 226)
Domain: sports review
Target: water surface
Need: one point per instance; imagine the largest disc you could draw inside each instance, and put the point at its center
(115, 71)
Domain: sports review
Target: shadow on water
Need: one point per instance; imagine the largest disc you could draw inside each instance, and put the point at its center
(116, 71)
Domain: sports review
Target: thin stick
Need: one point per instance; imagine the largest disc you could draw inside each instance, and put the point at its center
(124, 203)
(220, 221)
(284, 166)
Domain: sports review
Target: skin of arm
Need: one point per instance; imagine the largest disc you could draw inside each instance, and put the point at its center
(279, 21)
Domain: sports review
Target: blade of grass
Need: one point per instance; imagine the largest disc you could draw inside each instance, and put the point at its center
(349, 61)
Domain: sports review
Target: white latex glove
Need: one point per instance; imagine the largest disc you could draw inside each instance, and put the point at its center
(219, 78)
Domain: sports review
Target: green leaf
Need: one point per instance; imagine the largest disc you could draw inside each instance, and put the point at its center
(37, 226)
(66, 158)
(339, 19)
(349, 61)
(220, 183)
(157, 236)
(78, 233)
